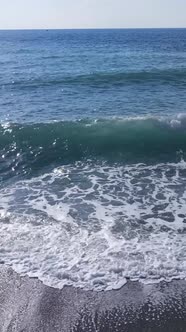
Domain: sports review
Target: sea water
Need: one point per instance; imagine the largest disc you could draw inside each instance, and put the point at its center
(92, 155)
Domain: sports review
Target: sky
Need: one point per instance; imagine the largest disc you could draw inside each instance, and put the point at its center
(60, 14)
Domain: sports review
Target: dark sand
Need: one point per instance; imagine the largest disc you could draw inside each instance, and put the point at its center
(26, 305)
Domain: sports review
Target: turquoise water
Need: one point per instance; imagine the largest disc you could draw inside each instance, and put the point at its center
(92, 150)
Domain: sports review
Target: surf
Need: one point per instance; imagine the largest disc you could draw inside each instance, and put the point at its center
(32, 147)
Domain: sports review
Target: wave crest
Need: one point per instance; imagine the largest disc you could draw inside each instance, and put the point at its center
(32, 147)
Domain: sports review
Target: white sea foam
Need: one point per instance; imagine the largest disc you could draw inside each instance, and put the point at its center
(95, 226)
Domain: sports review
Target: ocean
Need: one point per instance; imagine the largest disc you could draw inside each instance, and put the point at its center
(93, 155)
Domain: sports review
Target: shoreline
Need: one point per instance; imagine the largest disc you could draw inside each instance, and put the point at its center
(27, 305)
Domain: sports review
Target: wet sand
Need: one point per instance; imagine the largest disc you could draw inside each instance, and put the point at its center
(26, 305)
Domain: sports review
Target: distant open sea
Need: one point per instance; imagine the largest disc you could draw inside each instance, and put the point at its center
(93, 155)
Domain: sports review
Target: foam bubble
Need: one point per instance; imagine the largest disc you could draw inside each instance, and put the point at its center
(95, 226)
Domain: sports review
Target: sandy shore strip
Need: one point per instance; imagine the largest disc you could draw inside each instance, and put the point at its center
(26, 305)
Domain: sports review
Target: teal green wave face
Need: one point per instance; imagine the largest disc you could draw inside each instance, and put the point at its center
(33, 147)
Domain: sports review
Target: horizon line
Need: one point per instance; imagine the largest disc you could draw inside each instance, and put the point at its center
(113, 28)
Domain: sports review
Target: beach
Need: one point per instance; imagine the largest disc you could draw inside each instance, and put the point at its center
(27, 305)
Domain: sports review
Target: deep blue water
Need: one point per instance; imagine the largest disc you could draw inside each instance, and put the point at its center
(72, 74)
(92, 155)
